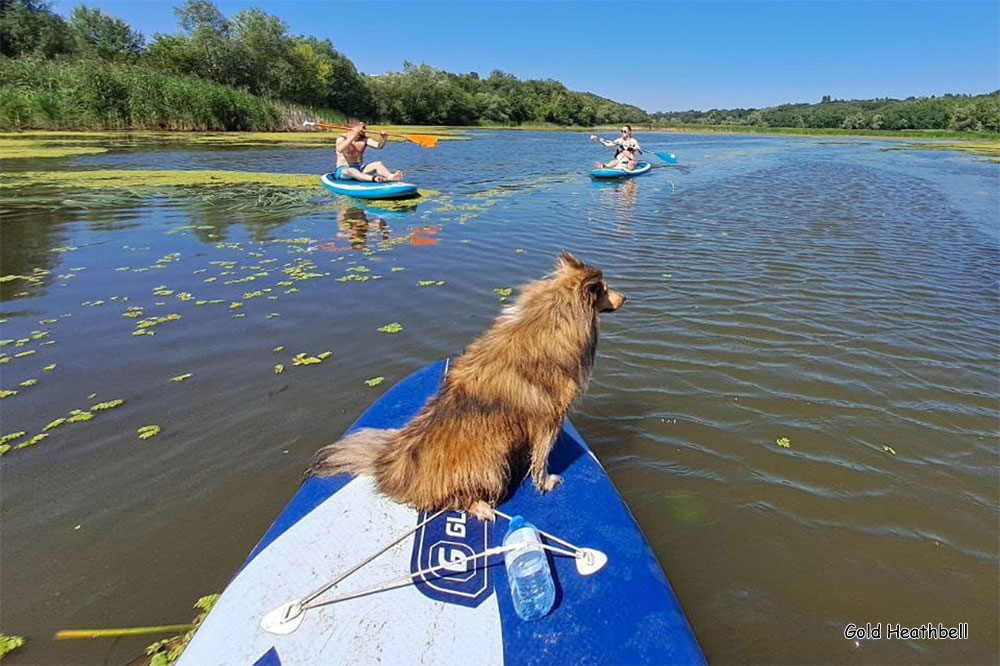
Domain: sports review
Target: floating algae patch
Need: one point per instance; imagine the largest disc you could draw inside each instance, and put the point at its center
(397, 205)
(135, 178)
(244, 192)
(10, 150)
(305, 138)
(986, 148)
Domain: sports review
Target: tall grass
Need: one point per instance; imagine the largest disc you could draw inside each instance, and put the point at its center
(88, 94)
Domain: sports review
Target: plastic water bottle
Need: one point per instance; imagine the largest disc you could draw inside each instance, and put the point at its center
(528, 573)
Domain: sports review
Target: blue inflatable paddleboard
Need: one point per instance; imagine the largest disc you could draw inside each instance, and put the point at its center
(640, 168)
(621, 613)
(367, 190)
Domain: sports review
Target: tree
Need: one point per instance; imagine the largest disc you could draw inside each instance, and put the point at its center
(197, 14)
(29, 27)
(95, 33)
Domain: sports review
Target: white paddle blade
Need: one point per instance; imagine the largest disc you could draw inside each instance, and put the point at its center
(284, 619)
(308, 123)
(590, 562)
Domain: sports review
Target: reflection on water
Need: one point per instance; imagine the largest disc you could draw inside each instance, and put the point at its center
(828, 295)
(354, 226)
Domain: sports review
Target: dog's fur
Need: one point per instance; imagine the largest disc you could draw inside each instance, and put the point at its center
(500, 407)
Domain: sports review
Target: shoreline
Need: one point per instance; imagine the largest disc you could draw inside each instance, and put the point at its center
(450, 131)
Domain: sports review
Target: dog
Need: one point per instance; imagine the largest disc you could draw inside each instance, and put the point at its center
(500, 406)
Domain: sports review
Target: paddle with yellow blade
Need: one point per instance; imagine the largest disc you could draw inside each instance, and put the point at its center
(425, 140)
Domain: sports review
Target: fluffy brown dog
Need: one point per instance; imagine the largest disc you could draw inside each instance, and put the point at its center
(500, 407)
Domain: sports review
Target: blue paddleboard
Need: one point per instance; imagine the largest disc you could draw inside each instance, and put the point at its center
(640, 168)
(366, 190)
(625, 613)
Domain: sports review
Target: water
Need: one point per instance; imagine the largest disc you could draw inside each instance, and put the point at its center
(528, 576)
(828, 292)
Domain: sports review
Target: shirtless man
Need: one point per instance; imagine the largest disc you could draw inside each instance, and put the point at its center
(627, 149)
(351, 147)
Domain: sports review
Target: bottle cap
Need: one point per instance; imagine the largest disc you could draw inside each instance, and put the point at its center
(516, 523)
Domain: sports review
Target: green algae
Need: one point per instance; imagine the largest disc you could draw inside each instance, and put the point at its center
(135, 178)
(986, 148)
(10, 643)
(30, 149)
(305, 138)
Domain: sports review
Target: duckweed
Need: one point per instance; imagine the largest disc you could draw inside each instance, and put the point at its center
(110, 404)
(10, 643)
(12, 436)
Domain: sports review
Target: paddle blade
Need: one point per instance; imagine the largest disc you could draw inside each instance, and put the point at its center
(423, 140)
(669, 158)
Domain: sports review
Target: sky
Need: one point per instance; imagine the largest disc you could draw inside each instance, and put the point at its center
(661, 56)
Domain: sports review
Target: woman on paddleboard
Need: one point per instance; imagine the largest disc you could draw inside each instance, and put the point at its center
(351, 147)
(627, 148)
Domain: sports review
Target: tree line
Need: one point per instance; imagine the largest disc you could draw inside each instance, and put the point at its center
(976, 113)
(247, 71)
(253, 52)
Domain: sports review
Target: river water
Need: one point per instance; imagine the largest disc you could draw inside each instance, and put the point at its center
(835, 295)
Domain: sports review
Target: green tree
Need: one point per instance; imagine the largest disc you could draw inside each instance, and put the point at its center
(98, 34)
(29, 27)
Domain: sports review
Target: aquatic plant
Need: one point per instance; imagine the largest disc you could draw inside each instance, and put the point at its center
(10, 643)
(168, 651)
(132, 178)
(374, 381)
(783, 442)
(394, 327)
(147, 431)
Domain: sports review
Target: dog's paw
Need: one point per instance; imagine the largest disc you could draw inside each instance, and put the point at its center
(550, 482)
(483, 511)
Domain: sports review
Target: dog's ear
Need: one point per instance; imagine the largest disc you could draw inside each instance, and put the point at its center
(568, 261)
(592, 284)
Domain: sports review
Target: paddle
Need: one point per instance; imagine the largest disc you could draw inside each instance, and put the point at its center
(424, 140)
(669, 158)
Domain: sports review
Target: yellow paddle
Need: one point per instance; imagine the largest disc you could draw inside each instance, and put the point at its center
(424, 140)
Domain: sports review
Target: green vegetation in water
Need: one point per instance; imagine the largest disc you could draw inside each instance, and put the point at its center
(131, 178)
(168, 651)
(40, 149)
(374, 381)
(247, 193)
(987, 148)
(10, 643)
(394, 327)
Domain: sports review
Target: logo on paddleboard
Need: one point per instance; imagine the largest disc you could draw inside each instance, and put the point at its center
(446, 543)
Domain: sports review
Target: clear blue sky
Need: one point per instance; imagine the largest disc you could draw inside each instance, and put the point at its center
(658, 55)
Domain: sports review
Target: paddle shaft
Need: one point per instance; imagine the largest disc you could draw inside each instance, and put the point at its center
(426, 141)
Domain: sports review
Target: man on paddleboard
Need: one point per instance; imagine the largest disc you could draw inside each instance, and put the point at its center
(351, 147)
(627, 148)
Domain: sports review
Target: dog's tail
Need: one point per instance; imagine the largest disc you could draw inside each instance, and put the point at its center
(354, 454)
